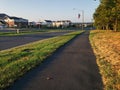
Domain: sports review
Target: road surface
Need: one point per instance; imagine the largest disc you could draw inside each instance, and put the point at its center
(7, 42)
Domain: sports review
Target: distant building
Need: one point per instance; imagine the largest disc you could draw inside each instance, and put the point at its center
(10, 22)
(48, 23)
(19, 22)
(34, 24)
(2, 16)
(14, 21)
(57, 24)
(79, 24)
(61, 23)
(2, 24)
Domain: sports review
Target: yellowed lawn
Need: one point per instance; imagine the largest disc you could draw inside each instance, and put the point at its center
(106, 46)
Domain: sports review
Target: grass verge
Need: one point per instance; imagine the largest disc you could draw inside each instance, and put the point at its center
(31, 31)
(17, 61)
(106, 46)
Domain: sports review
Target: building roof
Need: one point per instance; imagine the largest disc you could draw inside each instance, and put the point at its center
(18, 18)
(48, 20)
(2, 15)
(14, 18)
(2, 22)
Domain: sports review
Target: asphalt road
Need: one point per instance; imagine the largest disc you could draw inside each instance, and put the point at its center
(7, 42)
(72, 67)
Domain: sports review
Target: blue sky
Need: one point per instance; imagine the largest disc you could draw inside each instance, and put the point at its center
(36, 10)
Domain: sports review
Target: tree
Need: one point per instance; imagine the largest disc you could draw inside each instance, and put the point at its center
(107, 15)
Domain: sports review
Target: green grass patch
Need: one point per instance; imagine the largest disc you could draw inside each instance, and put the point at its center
(30, 31)
(17, 61)
(21, 32)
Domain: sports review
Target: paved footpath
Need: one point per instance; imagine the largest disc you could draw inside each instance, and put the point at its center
(72, 67)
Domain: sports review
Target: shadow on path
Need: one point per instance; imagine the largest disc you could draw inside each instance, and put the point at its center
(72, 67)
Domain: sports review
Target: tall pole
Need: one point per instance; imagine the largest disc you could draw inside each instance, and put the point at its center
(82, 17)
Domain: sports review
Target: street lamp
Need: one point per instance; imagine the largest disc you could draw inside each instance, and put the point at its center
(82, 17)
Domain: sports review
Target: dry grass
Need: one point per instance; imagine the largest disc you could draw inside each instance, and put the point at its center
(106, 45)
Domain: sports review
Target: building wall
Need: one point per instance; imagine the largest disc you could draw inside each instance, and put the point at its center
(10, 22)
(16, 22)
(62, 24)
(20, 22)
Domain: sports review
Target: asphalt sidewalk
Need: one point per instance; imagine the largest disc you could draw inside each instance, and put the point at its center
(72, 67)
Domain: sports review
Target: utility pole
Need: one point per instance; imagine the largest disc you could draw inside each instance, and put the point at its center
(82, 17)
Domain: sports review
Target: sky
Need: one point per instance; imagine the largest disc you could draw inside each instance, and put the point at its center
(38, 10)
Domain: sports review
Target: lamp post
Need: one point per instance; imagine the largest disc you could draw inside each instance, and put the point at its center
(82, 17)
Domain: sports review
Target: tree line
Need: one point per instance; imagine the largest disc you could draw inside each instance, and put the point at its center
(107, 15)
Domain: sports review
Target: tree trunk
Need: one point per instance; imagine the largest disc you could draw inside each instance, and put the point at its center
(107, 27)
(116, 24)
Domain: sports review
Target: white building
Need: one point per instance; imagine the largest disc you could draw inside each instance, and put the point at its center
(57, 24)
(14, 21)
(62, 23)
